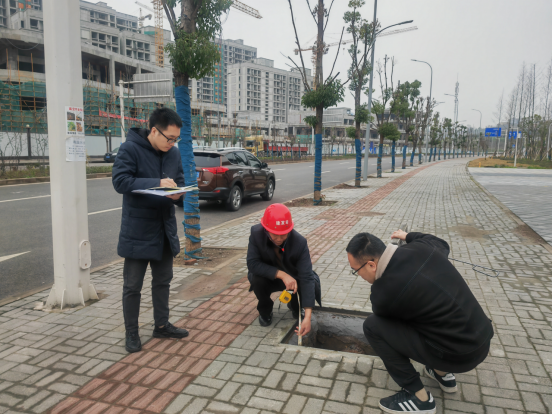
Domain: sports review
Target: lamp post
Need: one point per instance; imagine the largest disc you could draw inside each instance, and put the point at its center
(369, 107)
(480, 117)
(430, 94)
(548, 146)
(29, 141)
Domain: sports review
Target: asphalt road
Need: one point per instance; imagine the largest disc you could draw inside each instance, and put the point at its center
(26, 255)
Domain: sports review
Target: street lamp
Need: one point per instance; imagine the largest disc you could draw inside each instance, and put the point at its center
(367, 137)
(430, 91)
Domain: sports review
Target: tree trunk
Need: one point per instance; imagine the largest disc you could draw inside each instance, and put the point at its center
(393, 157)
(318, 80)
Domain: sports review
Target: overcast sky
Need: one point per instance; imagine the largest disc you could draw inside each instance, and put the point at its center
(483, 43)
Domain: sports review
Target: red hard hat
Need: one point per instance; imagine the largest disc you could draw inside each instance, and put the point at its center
(277, 219)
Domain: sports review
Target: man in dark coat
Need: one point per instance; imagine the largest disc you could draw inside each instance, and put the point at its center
(278, 259)
(422, 310)
(148, 234)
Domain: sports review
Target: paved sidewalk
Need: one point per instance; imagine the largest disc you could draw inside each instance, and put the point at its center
(75, 362)
(527, 192)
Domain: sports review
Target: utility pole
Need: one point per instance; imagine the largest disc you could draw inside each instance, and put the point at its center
(72, 254)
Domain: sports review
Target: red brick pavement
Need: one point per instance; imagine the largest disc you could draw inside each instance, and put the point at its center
(148, 381)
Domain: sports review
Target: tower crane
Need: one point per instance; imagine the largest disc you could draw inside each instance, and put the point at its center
(158, 16)
(328, 45)
(246, 9)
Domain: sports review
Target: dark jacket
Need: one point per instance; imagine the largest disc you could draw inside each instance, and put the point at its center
(147, 219)
(296, 261)
(420, 286)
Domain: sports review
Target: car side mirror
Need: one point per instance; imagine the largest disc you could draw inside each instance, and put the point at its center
(264, 165)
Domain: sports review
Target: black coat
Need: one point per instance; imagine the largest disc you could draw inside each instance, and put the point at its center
(420, 286)
(296, 260)
(147, 219)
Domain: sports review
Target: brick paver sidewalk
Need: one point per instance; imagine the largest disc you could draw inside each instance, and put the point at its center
(75, 362)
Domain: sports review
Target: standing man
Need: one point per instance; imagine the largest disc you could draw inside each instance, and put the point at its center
(148, 227)
(278, 259)
(422, 310)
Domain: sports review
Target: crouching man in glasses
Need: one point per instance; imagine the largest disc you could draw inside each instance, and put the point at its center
(422, 310)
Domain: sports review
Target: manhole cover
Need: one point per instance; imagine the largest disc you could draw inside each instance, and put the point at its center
(336, 330)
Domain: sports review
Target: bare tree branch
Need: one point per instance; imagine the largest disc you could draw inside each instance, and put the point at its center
(311, 12)
(336, 55)
(328, 18)
(307, 86)
(170, 17)
(303, 74)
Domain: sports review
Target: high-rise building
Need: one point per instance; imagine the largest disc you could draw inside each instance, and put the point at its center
(260, 92)
(215, 89)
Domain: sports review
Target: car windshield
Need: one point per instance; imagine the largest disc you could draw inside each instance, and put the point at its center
(115, 150)
(207, 160)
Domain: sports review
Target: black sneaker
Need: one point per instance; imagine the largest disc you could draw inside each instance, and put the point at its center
(132, 342)
(404, 401)
(447, 382)
(265, 320)
(295, 312)
(169, 331)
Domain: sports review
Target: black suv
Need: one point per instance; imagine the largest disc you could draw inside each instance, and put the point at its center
(229, 174)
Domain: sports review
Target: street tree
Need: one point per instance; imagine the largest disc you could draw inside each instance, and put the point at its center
(389, 131)
(362, 33)
(447, 140)
(192, 55)
(402, 106)
(379, 106)
(322, 93)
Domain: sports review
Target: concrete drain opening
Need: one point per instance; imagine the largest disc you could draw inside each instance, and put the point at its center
(335, 330)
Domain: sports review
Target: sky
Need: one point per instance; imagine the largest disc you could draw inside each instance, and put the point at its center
(480, 43)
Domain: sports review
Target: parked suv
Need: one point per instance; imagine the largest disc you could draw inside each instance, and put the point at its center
(230, 174)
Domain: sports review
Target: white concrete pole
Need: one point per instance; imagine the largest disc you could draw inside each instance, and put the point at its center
(122, 104)
(62, 49)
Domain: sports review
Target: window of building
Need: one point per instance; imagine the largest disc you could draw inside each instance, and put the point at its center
(32, 103)
(36, 24)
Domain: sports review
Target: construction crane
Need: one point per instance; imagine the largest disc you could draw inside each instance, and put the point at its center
(142, 18)
(246, 9)
(158, 16)
(328, 45)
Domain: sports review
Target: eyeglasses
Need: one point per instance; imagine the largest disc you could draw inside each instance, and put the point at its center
(355, 272)
(169, 140)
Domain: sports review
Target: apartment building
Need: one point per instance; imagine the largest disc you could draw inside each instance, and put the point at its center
(260, 92)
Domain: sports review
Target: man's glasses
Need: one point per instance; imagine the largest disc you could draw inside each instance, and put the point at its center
(355, 272)
(169, 140)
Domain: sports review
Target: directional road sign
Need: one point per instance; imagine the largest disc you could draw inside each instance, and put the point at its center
(493, 132)
(514, 134)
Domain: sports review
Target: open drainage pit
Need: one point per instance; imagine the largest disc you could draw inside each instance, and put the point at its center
(335, 330)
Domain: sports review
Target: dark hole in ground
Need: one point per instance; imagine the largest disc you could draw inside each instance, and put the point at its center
(335, 330)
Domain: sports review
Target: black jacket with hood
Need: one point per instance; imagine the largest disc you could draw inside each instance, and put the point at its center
(296, 262)
(420, 286)
(146, 219)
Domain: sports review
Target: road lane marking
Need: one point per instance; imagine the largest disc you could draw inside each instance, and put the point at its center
(12, 256)
(350, 168)
(279, 179)
(26, 198)
(324, 172)
(343, 163)
(104, 211)
(280, 169)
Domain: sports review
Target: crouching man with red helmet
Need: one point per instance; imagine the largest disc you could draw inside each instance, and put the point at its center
(278, 258)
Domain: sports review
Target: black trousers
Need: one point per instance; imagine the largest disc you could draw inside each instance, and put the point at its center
(396, 343)
(133, 278)
(263, 288)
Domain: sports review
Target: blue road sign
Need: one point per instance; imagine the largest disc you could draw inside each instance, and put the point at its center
(513, 134)
(493, 132)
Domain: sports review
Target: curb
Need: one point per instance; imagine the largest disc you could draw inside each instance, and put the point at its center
(34, 180)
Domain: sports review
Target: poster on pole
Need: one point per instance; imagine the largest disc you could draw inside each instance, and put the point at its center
(75, 146)
(74, 121)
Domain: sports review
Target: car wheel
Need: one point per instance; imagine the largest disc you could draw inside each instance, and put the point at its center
(235, 199)
(269, 191)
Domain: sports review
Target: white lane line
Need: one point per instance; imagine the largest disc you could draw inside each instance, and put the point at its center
(350, 168)
(26, 198)
(280, 169)
(104, 211)
(324, 172)
(12, 256)
(343, 163)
